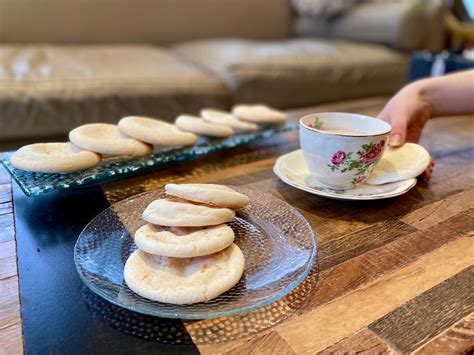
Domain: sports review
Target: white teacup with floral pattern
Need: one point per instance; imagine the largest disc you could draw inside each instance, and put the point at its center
(342, 149)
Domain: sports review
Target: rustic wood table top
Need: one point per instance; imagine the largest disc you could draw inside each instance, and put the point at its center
(393, 275)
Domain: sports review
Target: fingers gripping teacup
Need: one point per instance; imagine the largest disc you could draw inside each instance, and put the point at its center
(342, 149)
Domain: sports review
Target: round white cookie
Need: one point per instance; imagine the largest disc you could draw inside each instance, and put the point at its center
(182, 242)
(172, 213)
(199, 126)
(53, 158)
(401, 163)
(261, 114)
(184, 281)
(221, 117)
(155, 132)
(209, 194)
(106, 138)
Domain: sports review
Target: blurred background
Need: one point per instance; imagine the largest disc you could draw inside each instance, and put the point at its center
(64, 63)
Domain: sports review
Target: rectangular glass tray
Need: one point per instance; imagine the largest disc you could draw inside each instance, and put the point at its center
(34, 184)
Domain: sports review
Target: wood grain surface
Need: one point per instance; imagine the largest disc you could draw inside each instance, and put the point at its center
(11, 341)
(407, 327)
(393, 276)
(457, 339)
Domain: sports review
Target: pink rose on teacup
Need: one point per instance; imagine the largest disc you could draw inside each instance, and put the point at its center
(338, 157)
(372, 154)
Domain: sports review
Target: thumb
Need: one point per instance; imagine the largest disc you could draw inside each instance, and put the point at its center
(399, 132)
(396, 117)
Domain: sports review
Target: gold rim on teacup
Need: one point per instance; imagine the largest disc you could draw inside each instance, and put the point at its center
(304, 125)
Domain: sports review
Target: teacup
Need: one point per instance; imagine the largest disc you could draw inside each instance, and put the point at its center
(342, 149)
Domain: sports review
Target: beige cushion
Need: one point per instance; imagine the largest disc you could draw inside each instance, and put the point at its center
(403, 24)
(141, 21)
(323, 8)
(48, 90)
(299, 72)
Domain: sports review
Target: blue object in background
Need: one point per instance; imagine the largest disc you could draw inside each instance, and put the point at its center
(426, 64)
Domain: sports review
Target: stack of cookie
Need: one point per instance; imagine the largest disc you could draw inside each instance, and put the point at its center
(186, 252)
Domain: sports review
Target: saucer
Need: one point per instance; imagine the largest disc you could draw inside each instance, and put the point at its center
(291, 168)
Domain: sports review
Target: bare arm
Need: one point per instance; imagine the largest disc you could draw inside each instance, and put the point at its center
(421, 100)
(449, 95)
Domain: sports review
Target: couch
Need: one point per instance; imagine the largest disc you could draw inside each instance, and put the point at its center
(65, 63)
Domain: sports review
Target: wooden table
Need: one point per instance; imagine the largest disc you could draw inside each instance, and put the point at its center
(393, 275)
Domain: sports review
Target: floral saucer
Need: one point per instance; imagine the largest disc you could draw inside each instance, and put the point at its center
(292, 169)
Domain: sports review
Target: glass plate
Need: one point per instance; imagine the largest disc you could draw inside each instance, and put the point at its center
(33, 184)
(278, 244)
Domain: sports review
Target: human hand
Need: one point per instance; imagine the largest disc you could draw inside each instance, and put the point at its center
(407, 113)
(411, 107)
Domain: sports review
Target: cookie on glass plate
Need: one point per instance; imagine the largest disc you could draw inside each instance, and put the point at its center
(156, 132)
(209, 194)
(107, 139)
(53, 158)
(260, 114)
(221, 117)
(184, 281)
(174, 213)
(197, 125)
(183, 242)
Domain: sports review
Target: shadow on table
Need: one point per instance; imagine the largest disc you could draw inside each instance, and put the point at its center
(162, 330)
(200, 332)
(367, 211)
(58, 217)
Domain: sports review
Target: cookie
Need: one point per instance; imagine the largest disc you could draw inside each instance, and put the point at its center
(155, 132)
(106, 139)
(209, 194)
(401, 163)
(199, 126)
(184, 281)
(172, 213)
(221, 117)
(53, 158)
(260, 114)
(179, 242)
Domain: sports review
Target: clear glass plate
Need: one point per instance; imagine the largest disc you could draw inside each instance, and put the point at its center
(278, 244)
(33, 184)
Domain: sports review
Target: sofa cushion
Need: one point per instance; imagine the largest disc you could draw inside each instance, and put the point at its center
(405, 25)
(141, 21)
(47, 90)
(326, 9)
(299, 72)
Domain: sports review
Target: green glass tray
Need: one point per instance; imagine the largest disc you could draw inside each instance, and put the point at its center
(34, 184)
